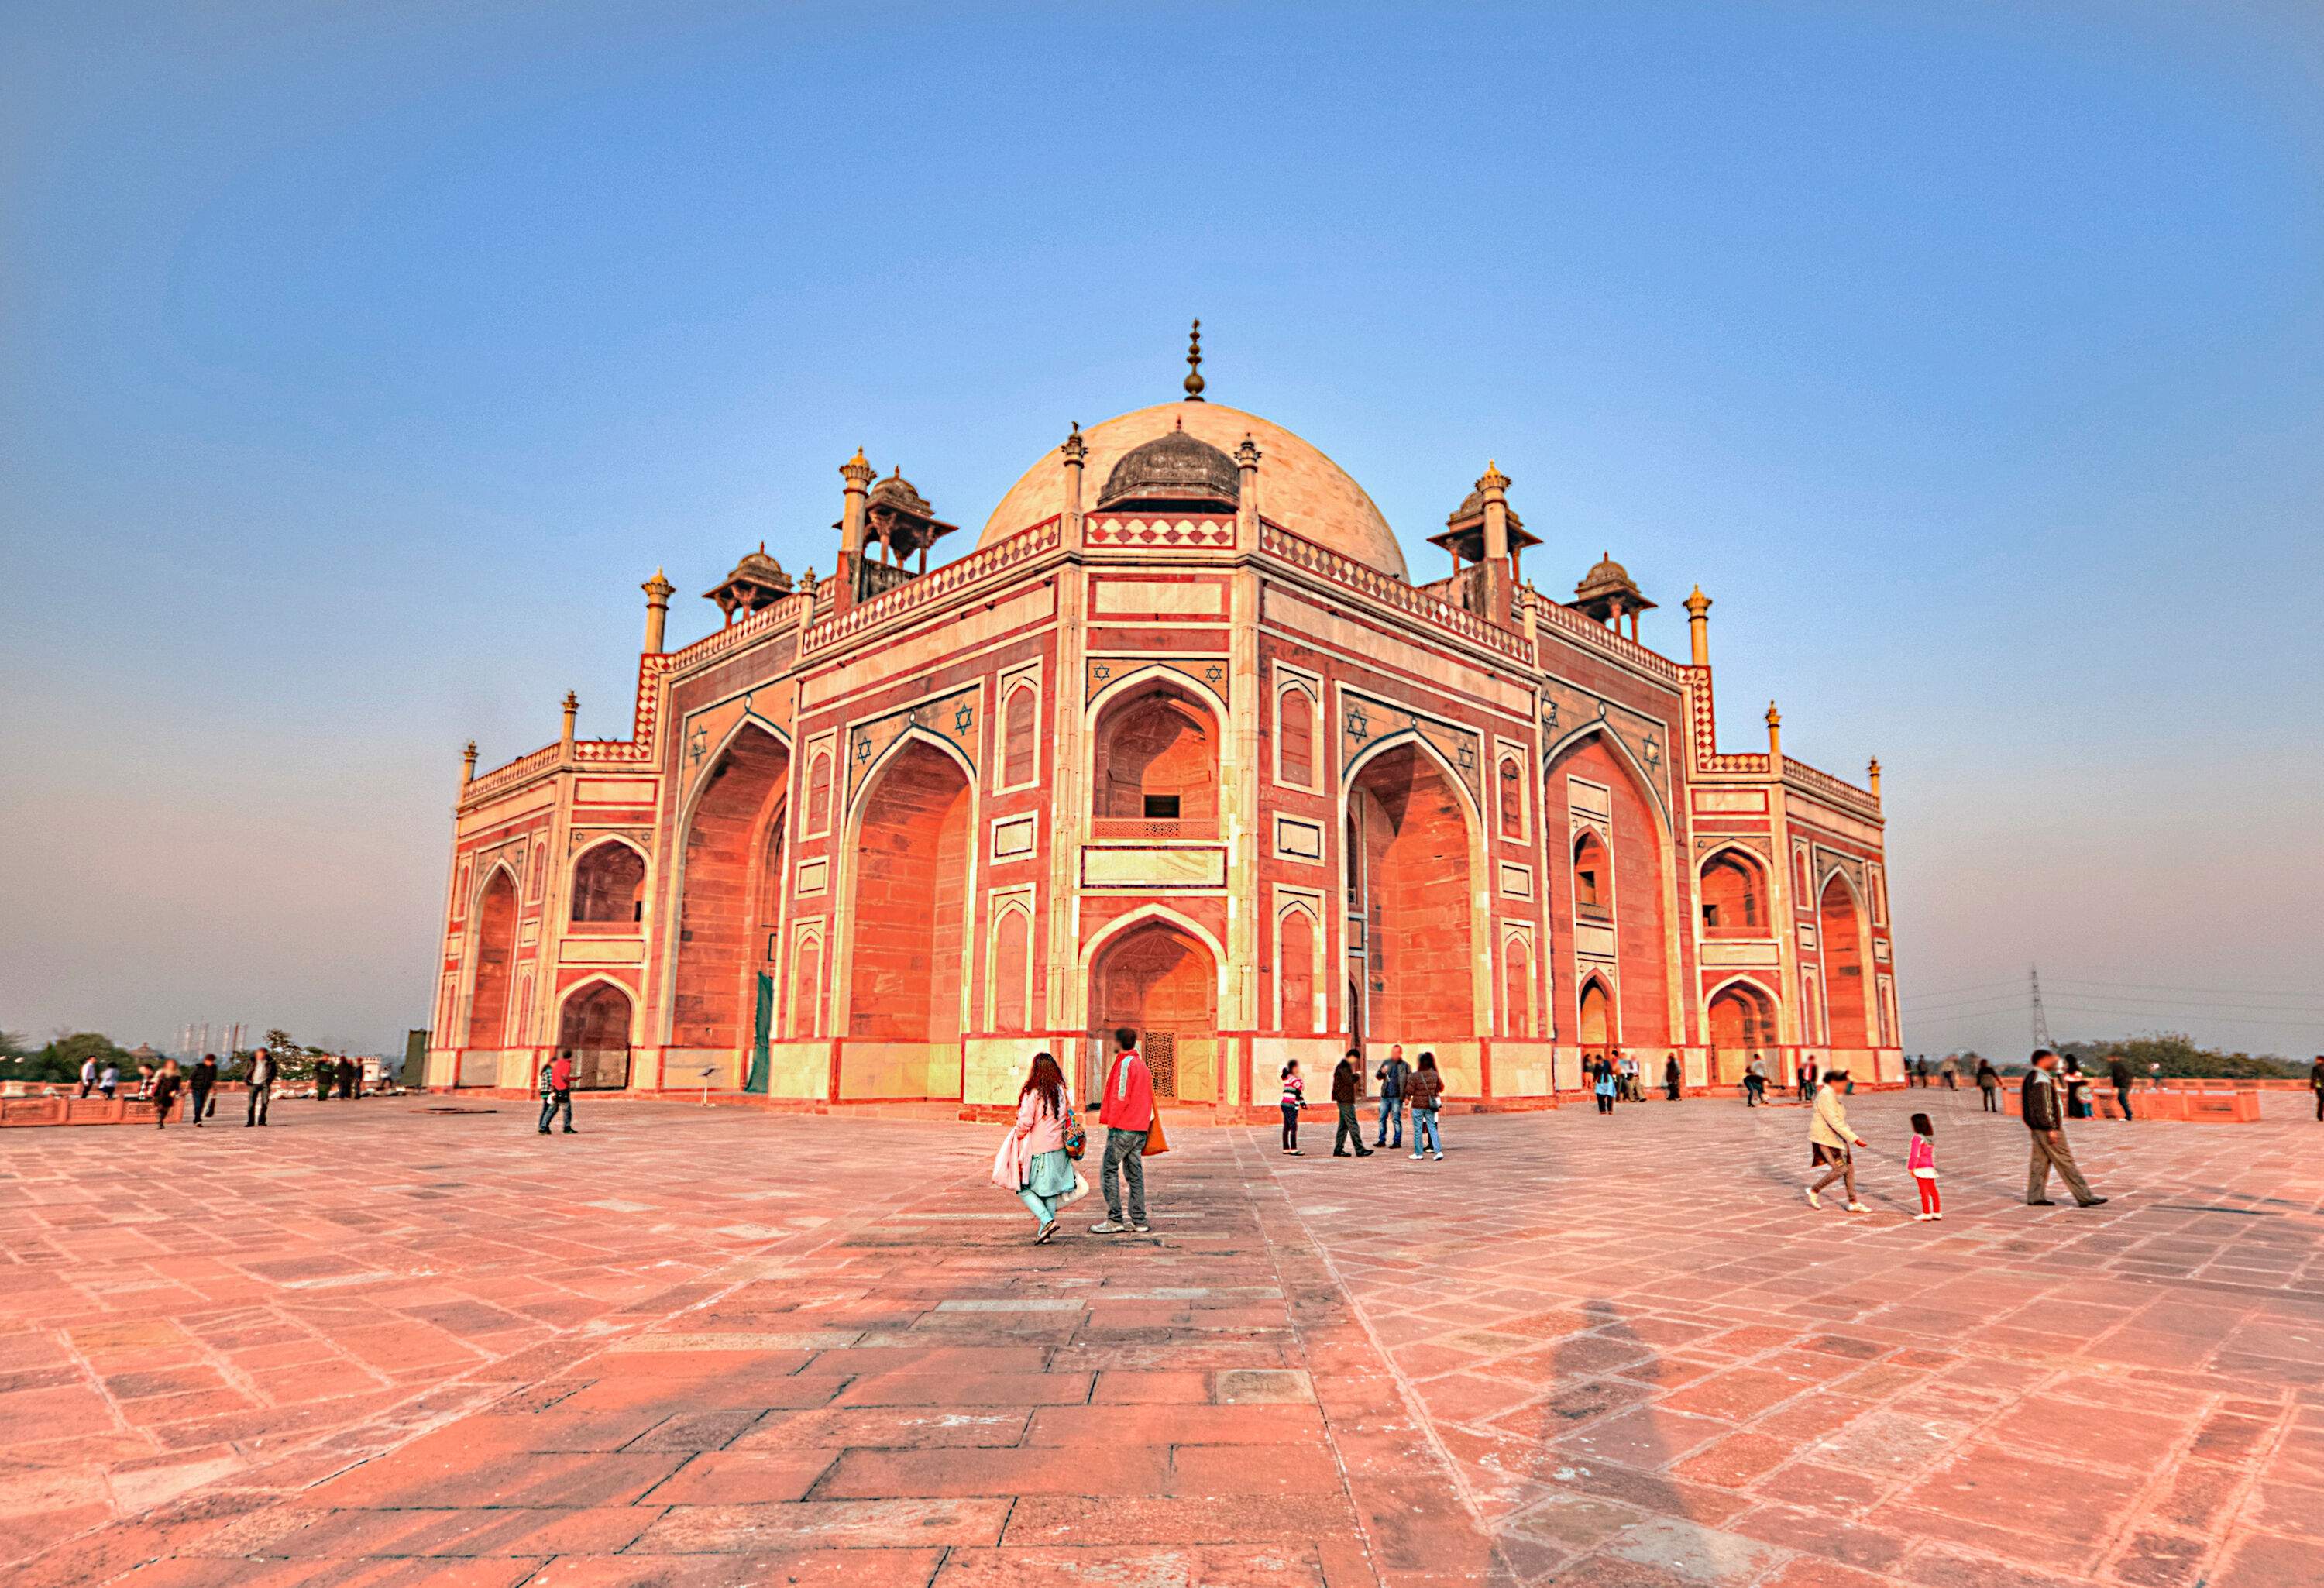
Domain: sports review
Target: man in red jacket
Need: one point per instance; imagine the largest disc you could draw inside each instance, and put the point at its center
(557, 1091)
(1127, 1112)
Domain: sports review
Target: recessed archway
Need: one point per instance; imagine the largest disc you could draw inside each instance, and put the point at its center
(609, 884)
(1733, 894)
(1412, 848)
(1840, 930)
(1154, 768)
(731, 892)
(1597, 1026)
(488, 998)
(1622, 876)
(592, 1029)
(1742, 1020)
(906, 963)
(1161, 982)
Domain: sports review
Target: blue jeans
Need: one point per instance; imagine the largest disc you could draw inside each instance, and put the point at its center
(1424, 1131)
(1124, 1160)
(1391, 1114)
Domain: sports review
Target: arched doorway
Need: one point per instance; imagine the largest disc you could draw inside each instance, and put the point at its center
(1161, 982)
(594, 1031)
(906, 963)
(1411, 851)
(488, 999)
(1597, 1027)
(1843, 964)
(1742, 1029)
(731, 896)
(1617, 894)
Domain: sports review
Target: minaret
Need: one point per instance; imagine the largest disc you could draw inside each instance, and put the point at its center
(1698, 625)
(572, 708)
(1775, 739)
(468, 764)
(858, 471)
(1873, 772)
(1495, 486)
(1075, 451)
(658, 591)
(1246, 458)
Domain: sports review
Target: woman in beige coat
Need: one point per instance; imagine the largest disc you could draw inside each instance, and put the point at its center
(1831, 1144)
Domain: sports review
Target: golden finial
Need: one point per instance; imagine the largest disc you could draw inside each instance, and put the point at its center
(1194, 364)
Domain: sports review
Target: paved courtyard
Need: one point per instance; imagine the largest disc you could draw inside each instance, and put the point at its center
(379, 1345)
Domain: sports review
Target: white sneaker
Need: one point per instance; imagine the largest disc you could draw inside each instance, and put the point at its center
(1142, 1229)
(1109, 1228)
(1814, 1200)
(1857, 1207)
(1415, 1158)
(1437, 1156)
(1922, 1218)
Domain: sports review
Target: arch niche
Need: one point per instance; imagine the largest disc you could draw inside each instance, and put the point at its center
(1154, 771)
(1160, 980)
(1840, 922)
(609, 884)
(906, 959)
(592, 1029)
(1733, 893)
(1412, 851)
(730, 892)
(1741, 1018)
(488, 997)
(1633, 895)
(1598, 1025)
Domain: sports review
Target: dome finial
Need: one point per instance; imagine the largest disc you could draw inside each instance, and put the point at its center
(1194, 363)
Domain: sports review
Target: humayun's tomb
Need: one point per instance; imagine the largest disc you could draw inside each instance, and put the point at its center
(1179, 746)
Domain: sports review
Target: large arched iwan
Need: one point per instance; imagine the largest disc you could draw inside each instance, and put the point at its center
(1412, 834)
(1641, 936)
(488, 1002)
(592, 1029)
(1157, 762)
(1843, 965)
(733, 883)
(1742, 1028)
(905, 964)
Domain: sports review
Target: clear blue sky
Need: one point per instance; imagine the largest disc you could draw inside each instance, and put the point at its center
(357, 361)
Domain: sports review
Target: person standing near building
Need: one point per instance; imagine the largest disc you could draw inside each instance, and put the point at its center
(1343, 1093)
(108, 1079)
(1807, 1078)
(1630, 1089)
(1671, 1077)
(349, 1074)
(1391, 1077)
(88, 1075)
(1295, 1097)
(165, 1092)
(1833, 1142)
(1604, 1087)
(556, 1090)
(258, 1074)
(2315, 1085)
(1127, 1112)
(1922, 1163)
(1950, 1069)
(2045, 1113)
(1427, 1090)
(1988, 1081)
(200, 1084)
(2119, 1077)
(1755, 1083)
(1044, 1178)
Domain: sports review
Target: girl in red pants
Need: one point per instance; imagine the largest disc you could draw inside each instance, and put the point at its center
(1923, 1162)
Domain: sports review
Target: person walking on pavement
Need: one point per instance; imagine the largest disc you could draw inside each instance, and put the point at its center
(1988, 1081)
(555, 1090)
(1755, 1083)
(350, 1073)
(1391, 1075)
(1921, 1162)
(1343, 1093)
(2316, 1084)
(1425, 1088)
(1604, 1087)
(88, 1075)
(108, 1079)
(2045, 1113)
(1294, 1096)
(1951, 1070)
(1807, 1080)
(1833, 1142)
(259, 1075)
(2119, 1077)
(1041, 1171)
(200, 1084)
(165, 1092)
(1127, 1112)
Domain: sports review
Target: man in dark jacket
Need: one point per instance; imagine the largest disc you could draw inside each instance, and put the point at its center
(2316, 1084)
(1343, 1093)
(1390, 1075)
(2044, 1113)
(258, 1076)
(200, 1081)
(2119, 1077)
(349, 1073)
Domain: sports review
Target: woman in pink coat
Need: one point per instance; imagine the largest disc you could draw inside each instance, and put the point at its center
(1032, 1160)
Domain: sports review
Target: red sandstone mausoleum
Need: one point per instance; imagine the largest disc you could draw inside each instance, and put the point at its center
(1179, 746)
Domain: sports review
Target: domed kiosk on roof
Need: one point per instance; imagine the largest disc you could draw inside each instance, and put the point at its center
(1300, 487)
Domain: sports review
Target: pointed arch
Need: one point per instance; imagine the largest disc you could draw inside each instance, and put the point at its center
(729, 888)
(1597, 1013)
(1644, 869)
(1847, 990)
(1416, 849)
(1733, 892)
(1161, 976)
(492, 911)
(1740, 1020)
(1412, 736)
(910, 890)
(1156, 743)
(608, 880)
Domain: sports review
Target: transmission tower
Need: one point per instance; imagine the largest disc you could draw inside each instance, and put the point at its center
(2041, 1018)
